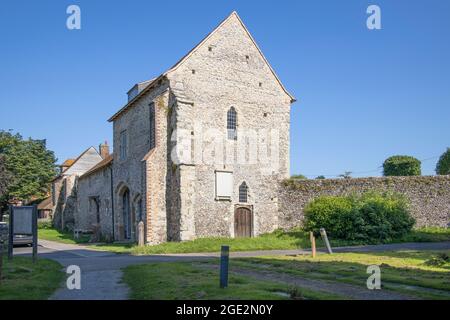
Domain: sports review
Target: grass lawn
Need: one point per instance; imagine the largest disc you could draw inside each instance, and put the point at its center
(67, 237)
(23, 280)
(294, 239)
(63, 237)
(185, 280)
(423, 274)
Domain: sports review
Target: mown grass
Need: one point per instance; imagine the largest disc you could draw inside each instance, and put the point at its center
(59, 236)
(409, 272)
(185, 280)
(278, 240)
(24, 280)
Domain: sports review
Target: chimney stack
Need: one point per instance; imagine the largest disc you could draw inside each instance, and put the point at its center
(104, 149)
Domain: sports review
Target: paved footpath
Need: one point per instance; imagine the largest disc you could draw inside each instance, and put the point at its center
(101, 271)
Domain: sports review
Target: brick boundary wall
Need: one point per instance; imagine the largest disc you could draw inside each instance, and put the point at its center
(429, 196)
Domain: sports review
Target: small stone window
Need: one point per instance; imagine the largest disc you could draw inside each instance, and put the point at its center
(123, 145)
(232, 124)
(260, 84)
(243, 192)
(64, 190)
(210, 48)
(152, 126)
(193, 71)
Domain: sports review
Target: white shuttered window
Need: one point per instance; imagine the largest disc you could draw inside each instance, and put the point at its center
(224, 185)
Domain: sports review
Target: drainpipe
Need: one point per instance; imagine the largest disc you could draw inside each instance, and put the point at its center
(112, 202)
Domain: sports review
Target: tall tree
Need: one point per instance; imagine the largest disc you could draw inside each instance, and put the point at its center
(5, 179)
(30, 164)
(443, 165)
(401, 166)
(5, 176)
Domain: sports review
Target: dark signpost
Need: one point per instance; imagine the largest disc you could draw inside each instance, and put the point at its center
(22, 221)
(224, 255)
(1, 259)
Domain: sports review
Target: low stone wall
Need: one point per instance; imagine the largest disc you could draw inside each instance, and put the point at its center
(429, 196)
(4, 231)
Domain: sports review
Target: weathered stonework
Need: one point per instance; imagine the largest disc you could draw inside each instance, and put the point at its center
(143, 171)
(94, 212)
(65, 187)
(429, 196)
(179, 203)
(232, 73)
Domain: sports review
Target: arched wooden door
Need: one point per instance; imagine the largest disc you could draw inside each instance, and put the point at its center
(243, 222)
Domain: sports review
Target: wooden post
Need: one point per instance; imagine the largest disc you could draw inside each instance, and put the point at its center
(323, 233)
(141, 241)
(224, 254)
(313, 244)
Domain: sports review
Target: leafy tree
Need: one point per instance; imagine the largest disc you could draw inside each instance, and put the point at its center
(443, 165)
(29, 165)
(5, 176)
(5, 179)
(7, 140)
(299, 176)
(401, 166)
(346, 175)
(320, 177)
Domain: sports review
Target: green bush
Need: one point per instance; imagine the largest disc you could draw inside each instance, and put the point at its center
(45, 224)
(401, 166)
(299, 176)
(443, 165)
(372, 217)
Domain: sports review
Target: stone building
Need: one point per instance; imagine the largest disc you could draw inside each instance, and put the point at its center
(168, 171)
(226, 85)
(95, 209)
(64, 187)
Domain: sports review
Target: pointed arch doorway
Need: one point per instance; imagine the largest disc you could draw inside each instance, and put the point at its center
(243, 221)
(126, 214)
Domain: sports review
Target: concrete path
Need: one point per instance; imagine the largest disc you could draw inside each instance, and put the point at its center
(101, 271)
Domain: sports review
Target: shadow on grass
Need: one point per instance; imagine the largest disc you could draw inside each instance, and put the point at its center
(418, 280)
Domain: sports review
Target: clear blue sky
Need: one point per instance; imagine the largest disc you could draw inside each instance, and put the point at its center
(363, 95)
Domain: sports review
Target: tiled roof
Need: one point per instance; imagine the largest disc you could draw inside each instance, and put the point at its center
(45, 204)
(68, 163)
(98, 166)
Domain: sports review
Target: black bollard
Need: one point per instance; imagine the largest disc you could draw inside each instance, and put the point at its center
(224, 255)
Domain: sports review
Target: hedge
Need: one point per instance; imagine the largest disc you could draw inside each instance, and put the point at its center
(372, 217)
